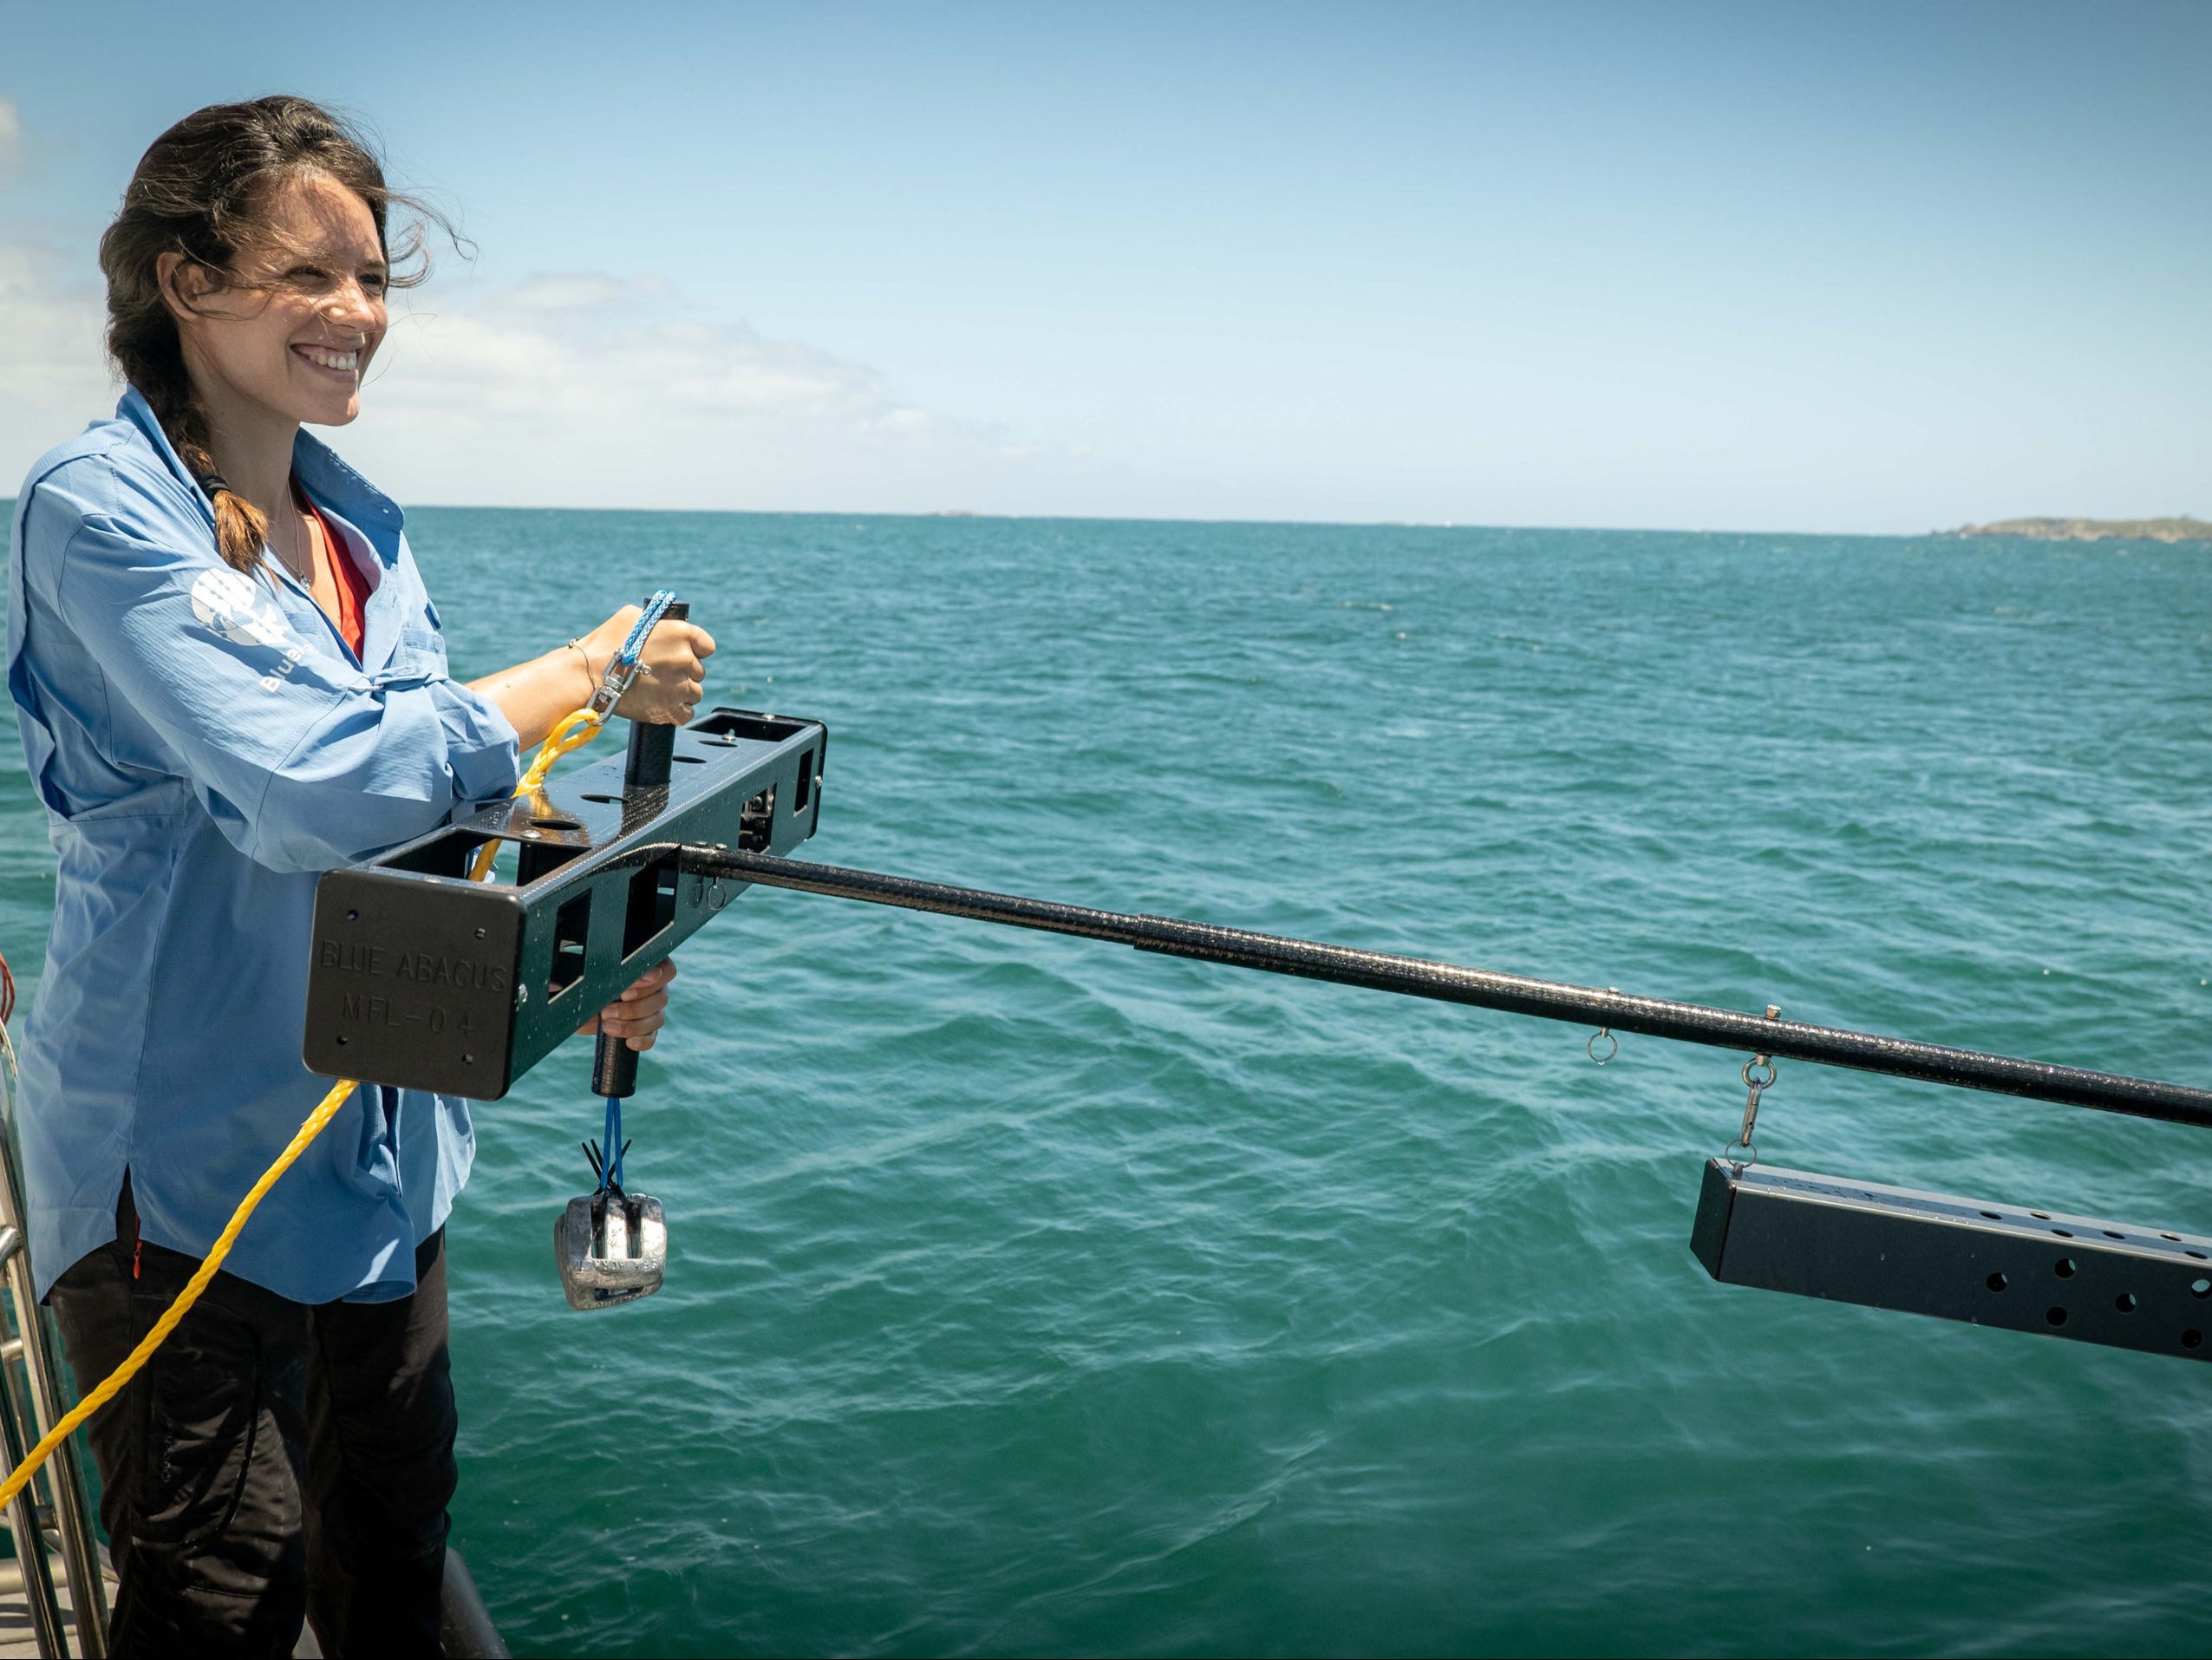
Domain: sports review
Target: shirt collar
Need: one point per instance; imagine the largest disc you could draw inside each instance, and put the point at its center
(317, 467)
(337, 487)
(134, 408)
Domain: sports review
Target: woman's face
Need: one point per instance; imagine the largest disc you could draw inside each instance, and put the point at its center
(295, 329)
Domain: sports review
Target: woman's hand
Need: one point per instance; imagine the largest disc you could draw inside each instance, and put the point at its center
(534, 695)
(670, 680)
(638, 1015)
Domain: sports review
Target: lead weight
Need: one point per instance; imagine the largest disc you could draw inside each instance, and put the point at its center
(610, 1248)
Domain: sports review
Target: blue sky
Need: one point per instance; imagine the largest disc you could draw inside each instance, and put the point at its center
(1852, 267)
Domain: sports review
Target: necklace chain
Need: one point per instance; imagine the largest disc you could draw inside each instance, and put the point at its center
(304, 539)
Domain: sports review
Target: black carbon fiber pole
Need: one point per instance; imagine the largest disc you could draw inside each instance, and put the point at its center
(1687, 1022)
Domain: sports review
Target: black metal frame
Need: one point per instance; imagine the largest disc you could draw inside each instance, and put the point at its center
(422, 978)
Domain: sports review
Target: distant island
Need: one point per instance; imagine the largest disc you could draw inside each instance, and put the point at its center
(2094, 530)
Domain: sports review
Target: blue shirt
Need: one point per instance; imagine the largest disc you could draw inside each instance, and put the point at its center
(206, 744)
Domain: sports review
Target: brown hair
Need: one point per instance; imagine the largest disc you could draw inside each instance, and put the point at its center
(201, 190)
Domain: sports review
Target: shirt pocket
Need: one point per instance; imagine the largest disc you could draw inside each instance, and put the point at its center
(421, 651)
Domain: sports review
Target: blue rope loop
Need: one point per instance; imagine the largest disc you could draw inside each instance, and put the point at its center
(655, 608)
(612, 1163)
(605, 1165)
(621, 669)
(608, 1169)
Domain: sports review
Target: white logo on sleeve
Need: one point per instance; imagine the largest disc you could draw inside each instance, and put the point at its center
(230, 604)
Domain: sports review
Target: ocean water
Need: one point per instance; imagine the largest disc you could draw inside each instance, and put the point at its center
(1029, 1295)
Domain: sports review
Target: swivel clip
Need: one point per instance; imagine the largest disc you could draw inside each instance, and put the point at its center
(1759, 1078)
(622, 668)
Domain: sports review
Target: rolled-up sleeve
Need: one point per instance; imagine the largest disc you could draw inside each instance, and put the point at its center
(304, 761)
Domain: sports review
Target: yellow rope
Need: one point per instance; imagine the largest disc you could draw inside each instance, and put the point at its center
(572, 732)
(199, 1283)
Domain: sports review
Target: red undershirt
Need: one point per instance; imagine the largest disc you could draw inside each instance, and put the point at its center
(352, 586)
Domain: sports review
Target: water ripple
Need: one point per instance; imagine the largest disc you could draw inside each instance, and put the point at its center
(1029, 1295)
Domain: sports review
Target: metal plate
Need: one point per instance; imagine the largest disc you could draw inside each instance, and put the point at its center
(1984, 1262)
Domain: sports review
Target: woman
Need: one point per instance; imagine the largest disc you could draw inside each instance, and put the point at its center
(230, 679)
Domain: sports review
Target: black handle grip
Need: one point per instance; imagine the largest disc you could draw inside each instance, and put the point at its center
(613, 1068)
(652, 747)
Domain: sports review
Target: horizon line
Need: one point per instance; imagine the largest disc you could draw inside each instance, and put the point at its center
(1958, 533)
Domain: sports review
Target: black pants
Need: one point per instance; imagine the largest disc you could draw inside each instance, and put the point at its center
(274, 1460)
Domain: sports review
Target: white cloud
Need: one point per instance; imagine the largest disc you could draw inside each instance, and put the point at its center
(583, 388)
(11, 134)
(53, 378)
(569, 389)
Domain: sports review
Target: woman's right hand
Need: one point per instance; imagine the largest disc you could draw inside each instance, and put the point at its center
(671, 679)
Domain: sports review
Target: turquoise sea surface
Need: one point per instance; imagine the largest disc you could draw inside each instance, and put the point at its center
(1029, 1295)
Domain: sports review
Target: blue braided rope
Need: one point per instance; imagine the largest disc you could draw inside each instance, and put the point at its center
(655, 608)
(611, 1157)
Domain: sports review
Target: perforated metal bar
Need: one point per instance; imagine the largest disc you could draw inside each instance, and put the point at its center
(1984, 1262)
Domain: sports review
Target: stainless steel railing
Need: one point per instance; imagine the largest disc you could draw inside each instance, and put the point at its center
(31, 1403)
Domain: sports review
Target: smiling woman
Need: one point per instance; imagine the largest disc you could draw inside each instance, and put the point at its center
(247, 276)
(230, 677)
